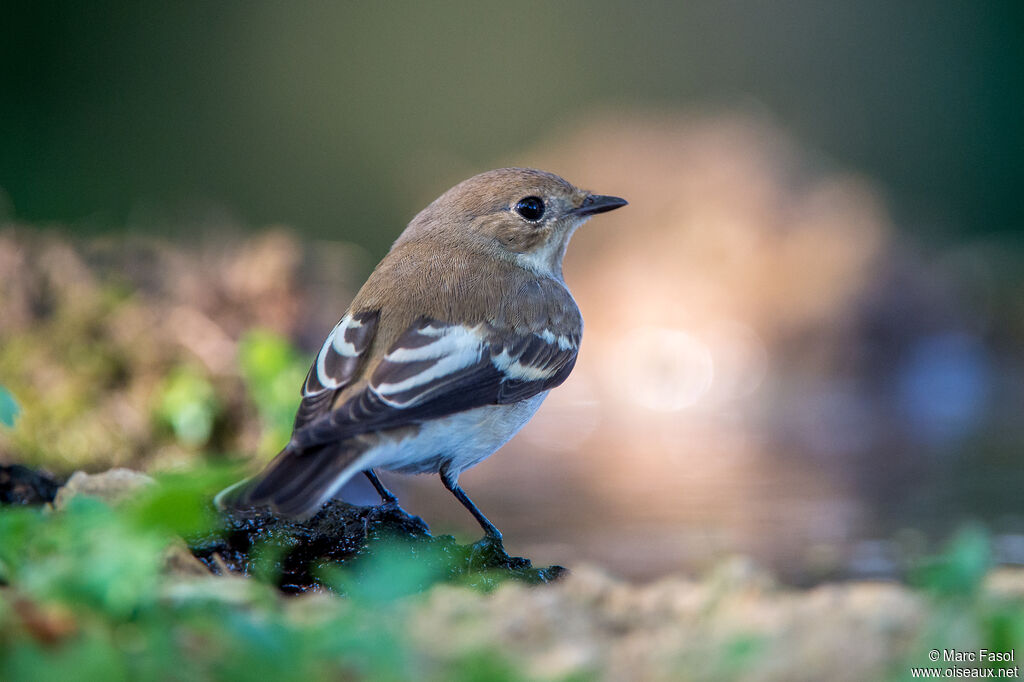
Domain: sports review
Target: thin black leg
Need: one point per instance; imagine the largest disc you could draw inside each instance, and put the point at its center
(451, 482)
(386, 496)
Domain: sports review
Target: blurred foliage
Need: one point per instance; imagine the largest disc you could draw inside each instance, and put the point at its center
(149, 366)
(87, 594)
(960, 569)
(964, 617)
(9, 409)
(273, 372)
(100, 592)
(62, 370)
(187, 403)
(391, 572)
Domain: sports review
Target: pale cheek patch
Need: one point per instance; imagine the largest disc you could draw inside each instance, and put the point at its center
(540, 261)
(546, 259)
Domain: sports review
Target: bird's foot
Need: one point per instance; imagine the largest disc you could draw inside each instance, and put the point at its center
(489, 552)
(389, 503)
(391, 512)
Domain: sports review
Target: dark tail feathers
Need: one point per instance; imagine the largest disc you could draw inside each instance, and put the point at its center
(295, 484)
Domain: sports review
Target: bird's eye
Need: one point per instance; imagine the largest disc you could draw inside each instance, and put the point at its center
(530, 208)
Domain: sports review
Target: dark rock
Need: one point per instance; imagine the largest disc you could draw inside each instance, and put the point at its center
(303, 556)
(21, 485)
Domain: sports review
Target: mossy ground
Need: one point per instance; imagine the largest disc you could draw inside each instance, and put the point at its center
(94, 591)
(302, 556)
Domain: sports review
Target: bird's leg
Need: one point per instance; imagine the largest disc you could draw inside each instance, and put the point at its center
(390, 508)
(488, 552)
(451, 482)
(386, 496)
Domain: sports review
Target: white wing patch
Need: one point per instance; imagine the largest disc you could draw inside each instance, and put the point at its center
(432, 370)
(514, 369)
(563, 341)
(453, 341)
(321, 372)
(433, 358)
(337, 340)
(456, 348)
(336, 344)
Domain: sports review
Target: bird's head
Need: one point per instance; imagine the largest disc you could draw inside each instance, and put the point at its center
(523, 215)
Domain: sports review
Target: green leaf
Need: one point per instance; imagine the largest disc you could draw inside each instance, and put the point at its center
(179, 503)
(9, 409)
(960, 569)
(273, 371)
(188, 403)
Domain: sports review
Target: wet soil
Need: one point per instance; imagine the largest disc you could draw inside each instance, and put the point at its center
(300, 556)
(22, 485)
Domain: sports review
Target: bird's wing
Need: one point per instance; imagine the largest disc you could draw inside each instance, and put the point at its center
(437, 368)
(337, 364)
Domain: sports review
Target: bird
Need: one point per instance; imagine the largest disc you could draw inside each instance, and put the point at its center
(446, 351)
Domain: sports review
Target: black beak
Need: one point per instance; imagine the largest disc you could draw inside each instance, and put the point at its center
(598, 203)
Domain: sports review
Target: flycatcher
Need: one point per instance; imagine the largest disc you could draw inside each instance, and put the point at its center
(447, 350)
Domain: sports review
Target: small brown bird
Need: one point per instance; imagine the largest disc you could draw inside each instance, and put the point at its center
(447, 350)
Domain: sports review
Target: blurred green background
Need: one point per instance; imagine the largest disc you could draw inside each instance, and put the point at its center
(329, 116)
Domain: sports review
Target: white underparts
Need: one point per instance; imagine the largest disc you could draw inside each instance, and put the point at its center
(459, 441)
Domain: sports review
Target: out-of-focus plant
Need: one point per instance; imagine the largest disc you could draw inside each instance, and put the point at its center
(273, 371)
(962, 612)
(87, 594)
(393, 570)
(126, 353)
(960, 569)
(64, 370)
(9, 409)
(187, 402)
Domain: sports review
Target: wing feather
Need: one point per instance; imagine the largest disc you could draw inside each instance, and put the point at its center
(435, 369)
(337, 364)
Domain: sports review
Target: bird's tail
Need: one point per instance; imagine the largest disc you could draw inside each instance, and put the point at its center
(296, 484)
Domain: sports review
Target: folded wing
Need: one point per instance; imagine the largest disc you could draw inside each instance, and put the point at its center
(437, 368)
(433, 369)
(337, 364)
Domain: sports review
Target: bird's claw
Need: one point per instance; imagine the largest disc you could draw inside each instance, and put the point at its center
(489, 552)
(393, 512)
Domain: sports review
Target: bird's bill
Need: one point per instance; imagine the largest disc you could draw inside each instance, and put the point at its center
(598, 203)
